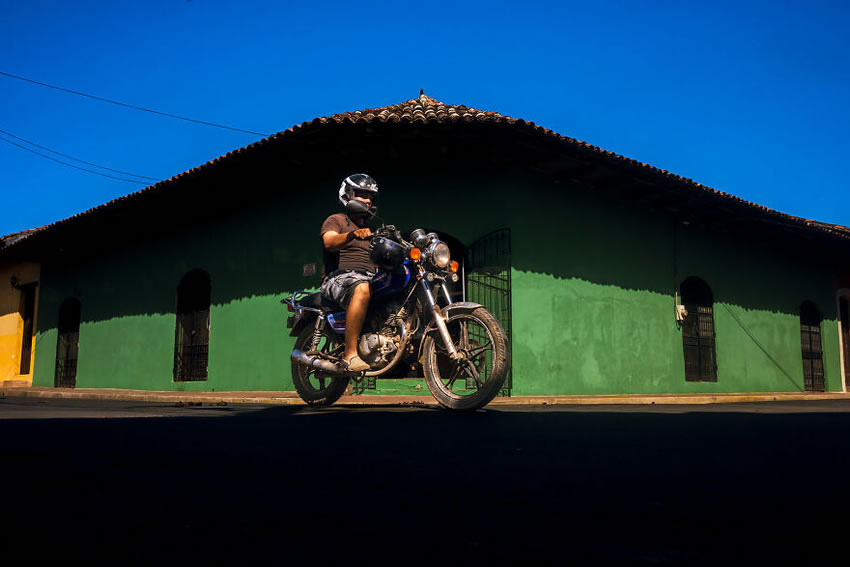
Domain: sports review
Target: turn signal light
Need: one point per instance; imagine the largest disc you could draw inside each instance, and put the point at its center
(454, 266)
(415, 253)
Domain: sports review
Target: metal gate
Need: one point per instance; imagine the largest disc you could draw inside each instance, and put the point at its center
(487, 280)
(698, 336)
(65, 374)
(698, 339)
(192, 332)
(192, 348)
(810, 338)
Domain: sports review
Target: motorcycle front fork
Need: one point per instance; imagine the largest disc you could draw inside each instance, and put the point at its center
(426, 296)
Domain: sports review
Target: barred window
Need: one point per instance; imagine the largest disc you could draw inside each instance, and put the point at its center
(698, 337)
(67, 341)
(192, 334)
(810, 338)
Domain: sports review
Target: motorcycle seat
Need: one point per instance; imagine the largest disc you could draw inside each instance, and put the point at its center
(319, 301)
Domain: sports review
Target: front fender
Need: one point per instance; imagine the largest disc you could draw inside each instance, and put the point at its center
(460, 307)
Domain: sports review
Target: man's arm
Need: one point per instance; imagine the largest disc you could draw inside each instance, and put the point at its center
(334, 241)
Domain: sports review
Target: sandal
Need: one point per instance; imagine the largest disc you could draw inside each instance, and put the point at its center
(356, 364)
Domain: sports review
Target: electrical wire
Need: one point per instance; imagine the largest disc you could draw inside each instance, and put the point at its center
(71, 164)
(78, 159)
(132, 105)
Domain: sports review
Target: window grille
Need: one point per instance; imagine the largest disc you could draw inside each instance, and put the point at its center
(28, 315)
(810, 339)
(488, 282)
(192, 333)
(698, 335)
(67, 343)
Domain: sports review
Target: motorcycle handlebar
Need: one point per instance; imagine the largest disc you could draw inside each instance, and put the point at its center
(391, 232)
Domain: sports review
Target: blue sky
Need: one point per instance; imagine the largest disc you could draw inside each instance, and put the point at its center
(748, 97)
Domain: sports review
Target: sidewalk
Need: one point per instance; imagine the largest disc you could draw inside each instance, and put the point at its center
(291, 398)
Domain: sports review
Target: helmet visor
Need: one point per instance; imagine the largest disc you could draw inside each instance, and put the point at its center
(364, 194)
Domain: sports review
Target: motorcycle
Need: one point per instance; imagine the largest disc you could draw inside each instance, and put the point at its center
(411, 322)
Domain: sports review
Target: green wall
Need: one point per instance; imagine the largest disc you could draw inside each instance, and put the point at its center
(593, 284)
(593, 303)
(128, 300)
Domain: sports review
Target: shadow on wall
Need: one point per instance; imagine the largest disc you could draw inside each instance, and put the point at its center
(247, 255)
(568, 232)
(603, 242)
(563, 230)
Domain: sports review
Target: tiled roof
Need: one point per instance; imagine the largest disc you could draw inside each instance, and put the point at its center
(17, 236)
(427, 110)
(422, 109)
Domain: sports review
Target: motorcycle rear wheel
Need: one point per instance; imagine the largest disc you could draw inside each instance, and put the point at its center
(313, 386)
(474, 380)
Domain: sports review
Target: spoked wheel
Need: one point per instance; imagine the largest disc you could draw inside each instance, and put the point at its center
(476, 376)
(314, 386)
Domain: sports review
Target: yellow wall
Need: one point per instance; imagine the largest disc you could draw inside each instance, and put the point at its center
(12, 323)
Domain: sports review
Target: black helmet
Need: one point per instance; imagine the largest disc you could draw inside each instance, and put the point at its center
(353, 184)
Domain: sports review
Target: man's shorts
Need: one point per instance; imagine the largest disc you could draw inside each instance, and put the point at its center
(340, 287)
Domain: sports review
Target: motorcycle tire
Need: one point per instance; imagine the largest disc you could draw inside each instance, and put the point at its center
(313, 386)
(482, 340)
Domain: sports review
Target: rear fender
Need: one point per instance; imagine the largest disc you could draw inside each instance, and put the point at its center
(299, 320)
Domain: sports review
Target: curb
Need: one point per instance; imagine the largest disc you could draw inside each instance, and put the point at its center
(277, 398)
(291, 399)
(671, 399)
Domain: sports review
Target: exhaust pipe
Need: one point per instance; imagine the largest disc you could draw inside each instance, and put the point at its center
(316, 362)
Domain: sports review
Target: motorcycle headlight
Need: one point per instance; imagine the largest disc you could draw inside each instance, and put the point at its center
(440, 255)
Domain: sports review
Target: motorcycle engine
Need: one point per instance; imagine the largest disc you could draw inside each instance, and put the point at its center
(378, 348)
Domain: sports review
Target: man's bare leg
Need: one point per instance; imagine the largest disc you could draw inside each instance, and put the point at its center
(354, 317)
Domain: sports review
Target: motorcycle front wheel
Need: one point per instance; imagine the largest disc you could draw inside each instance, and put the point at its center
(314, 386)
(475, 378)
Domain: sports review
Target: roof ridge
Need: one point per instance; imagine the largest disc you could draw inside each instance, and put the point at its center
(423, 107)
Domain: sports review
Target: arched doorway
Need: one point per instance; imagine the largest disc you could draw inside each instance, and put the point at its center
(67, 343)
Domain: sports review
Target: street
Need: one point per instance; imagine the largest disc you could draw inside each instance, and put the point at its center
(146, 483)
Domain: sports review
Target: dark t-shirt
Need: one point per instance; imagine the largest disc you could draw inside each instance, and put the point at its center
(352, 256)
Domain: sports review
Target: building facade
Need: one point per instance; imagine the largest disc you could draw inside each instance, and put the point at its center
(611, 276)
(18, 317)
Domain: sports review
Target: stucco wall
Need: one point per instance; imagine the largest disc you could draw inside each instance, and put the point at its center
(593, 296)
(593, 285)
(128, 300)
(12, 323)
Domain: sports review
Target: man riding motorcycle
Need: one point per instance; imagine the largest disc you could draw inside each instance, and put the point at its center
(411, 322)
(348, 269)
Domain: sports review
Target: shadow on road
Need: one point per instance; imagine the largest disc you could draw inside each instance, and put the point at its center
(419, 485)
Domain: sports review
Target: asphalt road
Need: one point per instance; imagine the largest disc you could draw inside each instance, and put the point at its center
(583, 485)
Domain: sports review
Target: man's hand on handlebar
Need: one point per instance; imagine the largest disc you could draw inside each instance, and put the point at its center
(362, 233)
